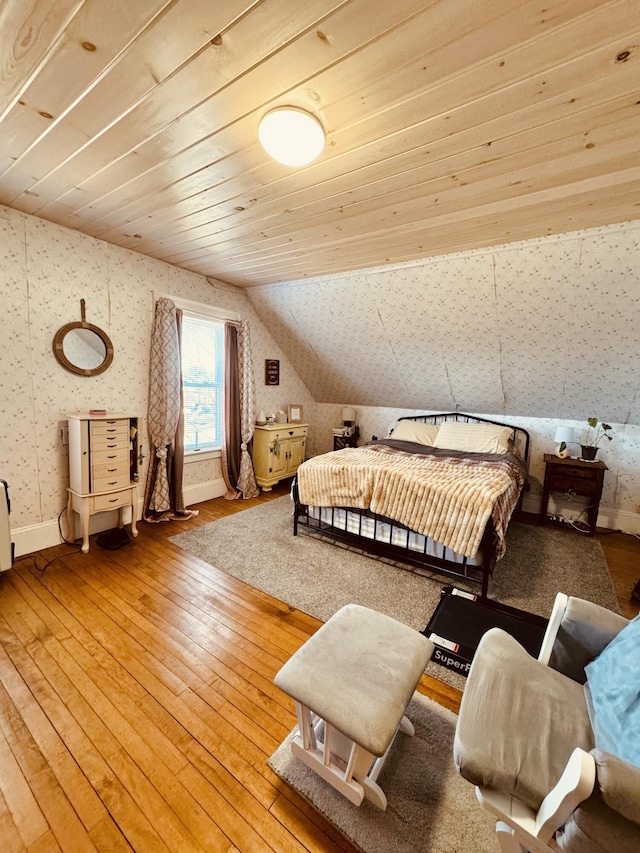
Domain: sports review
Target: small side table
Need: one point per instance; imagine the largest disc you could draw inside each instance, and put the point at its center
(573, 477)
(342, 441)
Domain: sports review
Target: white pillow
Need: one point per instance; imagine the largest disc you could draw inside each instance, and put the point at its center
(415, 431)
(473, 438)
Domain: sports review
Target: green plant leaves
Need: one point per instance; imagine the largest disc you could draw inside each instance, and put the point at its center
(601, 432)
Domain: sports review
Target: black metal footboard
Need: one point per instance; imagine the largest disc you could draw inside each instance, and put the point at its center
(476, 574)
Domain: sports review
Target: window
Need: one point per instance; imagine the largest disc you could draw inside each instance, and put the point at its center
(203, 382)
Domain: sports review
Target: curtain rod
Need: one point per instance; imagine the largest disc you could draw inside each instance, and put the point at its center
(202, 308)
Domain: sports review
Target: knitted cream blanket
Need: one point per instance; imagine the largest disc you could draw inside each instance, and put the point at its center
(447, 499)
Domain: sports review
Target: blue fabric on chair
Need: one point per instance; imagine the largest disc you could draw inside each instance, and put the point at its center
(613, 680)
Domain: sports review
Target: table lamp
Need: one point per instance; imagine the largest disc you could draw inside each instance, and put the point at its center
(348, 416)
(564, 436)
(349, 420)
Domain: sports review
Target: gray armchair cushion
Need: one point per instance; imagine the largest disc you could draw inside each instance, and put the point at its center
(595, 828)
(519, 721)
(585, 630)
(619, 784)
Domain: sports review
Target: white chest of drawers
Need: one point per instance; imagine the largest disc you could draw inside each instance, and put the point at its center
(103, 467)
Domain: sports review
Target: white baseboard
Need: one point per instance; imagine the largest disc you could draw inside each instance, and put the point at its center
(608, 519)
(204, 491)
(35, 537)
(618, 519)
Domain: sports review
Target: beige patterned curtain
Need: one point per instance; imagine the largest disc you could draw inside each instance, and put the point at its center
(163, 493)
(246, 480)
(237, 466)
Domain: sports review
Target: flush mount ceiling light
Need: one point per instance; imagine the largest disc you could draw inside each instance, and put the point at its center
(291, 136)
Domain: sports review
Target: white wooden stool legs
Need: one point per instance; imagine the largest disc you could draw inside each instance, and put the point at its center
(340, 761)
(406, 727)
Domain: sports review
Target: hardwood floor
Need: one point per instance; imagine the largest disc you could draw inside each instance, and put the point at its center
(137, 705)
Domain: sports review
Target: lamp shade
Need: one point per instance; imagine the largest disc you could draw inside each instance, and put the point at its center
(348, 414)
(291, 136)
(564, 433)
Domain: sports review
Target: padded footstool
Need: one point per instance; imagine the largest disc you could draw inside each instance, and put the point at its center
(351, 683)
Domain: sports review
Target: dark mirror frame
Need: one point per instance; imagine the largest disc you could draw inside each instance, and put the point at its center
(58, 346)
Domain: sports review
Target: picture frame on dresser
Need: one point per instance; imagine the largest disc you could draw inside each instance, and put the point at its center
(294, 413)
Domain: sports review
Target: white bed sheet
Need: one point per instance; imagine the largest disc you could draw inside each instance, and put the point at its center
(354, 523)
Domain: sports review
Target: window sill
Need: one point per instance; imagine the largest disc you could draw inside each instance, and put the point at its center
(201, 455)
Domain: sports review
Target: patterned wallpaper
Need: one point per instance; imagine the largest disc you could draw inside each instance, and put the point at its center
(538, 333)
(545, 327)
(44, 272)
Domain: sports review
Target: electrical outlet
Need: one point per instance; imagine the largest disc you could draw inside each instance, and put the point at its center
(64, 436)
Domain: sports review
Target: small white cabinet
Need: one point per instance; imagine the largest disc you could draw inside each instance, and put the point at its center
(278, 452)
(103, 467)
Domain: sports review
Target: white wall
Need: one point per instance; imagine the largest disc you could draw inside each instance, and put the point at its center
(44, 272)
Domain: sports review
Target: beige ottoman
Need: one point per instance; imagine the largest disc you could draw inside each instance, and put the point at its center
(351, 683)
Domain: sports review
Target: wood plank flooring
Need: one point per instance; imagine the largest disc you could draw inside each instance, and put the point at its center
(137, 705)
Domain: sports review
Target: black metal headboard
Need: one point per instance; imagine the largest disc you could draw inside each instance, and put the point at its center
(519, 437)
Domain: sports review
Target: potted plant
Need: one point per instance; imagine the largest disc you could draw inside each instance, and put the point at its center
(595, 433)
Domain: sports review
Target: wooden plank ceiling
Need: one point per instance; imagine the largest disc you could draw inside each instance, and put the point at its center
(451, 124)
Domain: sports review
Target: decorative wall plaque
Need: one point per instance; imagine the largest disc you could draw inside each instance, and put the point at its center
(271, 371)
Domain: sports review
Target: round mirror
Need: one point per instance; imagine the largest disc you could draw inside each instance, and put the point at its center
(83, 348)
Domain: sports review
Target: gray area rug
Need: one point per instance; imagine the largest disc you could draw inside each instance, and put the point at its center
(257, 546)
(430, 807)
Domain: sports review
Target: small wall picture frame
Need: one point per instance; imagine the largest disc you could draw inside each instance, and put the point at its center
(271, 371)
(294, 413)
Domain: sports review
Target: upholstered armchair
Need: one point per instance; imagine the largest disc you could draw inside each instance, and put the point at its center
(553, 745)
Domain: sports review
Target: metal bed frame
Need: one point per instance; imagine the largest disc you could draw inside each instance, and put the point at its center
(479, 573)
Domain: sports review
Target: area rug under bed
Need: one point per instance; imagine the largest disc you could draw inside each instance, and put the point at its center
(313, 575)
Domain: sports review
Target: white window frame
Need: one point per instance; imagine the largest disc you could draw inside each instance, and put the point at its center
(210, 312)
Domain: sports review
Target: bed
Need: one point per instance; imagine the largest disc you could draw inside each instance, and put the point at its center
(437, 494)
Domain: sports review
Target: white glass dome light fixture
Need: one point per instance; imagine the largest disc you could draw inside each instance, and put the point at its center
(291, 136)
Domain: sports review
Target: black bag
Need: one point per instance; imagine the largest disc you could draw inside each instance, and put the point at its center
(113, 539)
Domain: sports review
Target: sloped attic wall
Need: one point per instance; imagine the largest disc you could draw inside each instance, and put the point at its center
(542, 328)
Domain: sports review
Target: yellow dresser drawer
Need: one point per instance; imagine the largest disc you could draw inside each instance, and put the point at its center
(288, 431)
